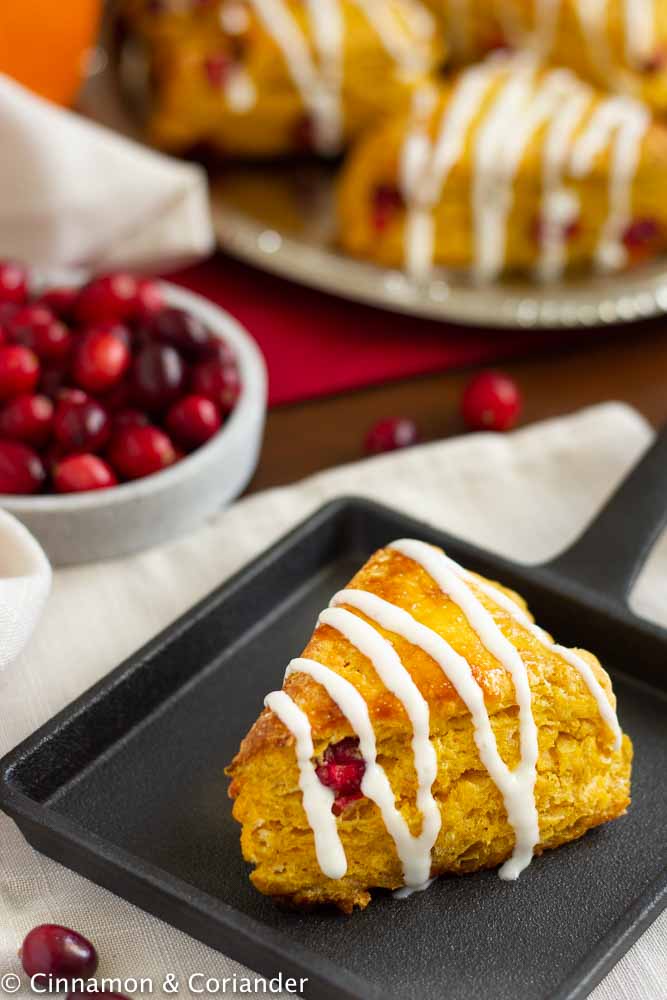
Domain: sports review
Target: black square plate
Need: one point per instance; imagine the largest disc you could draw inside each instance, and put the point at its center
(126, 785)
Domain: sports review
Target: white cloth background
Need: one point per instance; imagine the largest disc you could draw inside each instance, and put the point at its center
(25, 581)
(74, 194)
(527, 495)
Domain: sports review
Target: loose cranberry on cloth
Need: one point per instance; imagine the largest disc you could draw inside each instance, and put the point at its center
(316, 345)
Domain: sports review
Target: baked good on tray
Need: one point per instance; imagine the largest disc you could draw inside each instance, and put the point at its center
(428, 728)
(509, 167)
(619, 45)
(273, 77)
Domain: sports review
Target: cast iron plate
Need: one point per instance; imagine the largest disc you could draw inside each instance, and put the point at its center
(127, 787)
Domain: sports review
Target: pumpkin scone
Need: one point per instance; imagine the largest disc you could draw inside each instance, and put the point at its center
(508, 168)
(619, 45)
(265, 78)
(429, 727)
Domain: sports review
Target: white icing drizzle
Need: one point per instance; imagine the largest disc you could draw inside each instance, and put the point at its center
(520, 808)
(516, 786)
(626, 120)
(414, 852)
(546, 21)
(516, 612)
(317, 800)
(319, 80)
(500, 143)
(425, 165)
(520, 804)
(240, 91)
(317, 97)
(639, 31)
(560, 206)
(234, 18)
(408, 51)
(522, 105)
(397, 679)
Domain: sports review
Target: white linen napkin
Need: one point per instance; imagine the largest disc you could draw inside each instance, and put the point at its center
(75, 194)
(527, 494)
(25, 581)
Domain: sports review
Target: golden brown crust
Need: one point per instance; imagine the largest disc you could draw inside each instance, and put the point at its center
(581, 780)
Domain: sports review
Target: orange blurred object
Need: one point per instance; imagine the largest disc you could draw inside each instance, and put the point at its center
(44, 44)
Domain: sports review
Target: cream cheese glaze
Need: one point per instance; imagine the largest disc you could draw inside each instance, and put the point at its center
(517, 786)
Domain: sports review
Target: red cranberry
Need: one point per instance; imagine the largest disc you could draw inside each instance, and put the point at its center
(303, 134)
(387, 203)
(193, 420)
(50, 950)
(391, 434)
(19, 371)
(218, 382)
(178, 329)
(491, 401)
(158, 376)
(655, 63)
(53, 380)
(141, 451)
(119, 398)
(103, 993)
(641, 233)
(80, 423)
(36, 327)
(27, 317)
(7, 311)
(60, 301)
(100, 360)
(149, 299)
(217, 69)
(129, 418)
(80, 473)
(28, 419)
(21, 468)
(342, 769)
(13, 282)
(217, 349)
(110, 297)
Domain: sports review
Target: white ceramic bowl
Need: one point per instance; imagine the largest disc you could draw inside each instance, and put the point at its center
(103, 524)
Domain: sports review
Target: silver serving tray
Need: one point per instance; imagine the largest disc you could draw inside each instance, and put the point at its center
(281, 218)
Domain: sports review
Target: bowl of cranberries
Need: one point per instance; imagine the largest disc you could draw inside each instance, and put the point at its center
(130, 409)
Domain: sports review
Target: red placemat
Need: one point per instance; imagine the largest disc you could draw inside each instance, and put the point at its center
(316, 344)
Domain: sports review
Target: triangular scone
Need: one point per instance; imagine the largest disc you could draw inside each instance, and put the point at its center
(509, 167)
(273, 77)
(619, 45)
(429, 727)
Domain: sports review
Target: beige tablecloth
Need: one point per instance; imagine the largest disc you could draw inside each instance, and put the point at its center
(525, 495)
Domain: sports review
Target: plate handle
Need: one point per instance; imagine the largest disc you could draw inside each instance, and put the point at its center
(613, 549)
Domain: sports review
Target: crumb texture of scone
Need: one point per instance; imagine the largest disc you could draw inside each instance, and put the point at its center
(461, 738)
(268, 78)
(508, 167)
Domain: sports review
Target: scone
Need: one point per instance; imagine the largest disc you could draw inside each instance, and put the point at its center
(429, 727)
(509, 168)
(273, 77)
(473, 28)
(619, 45)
